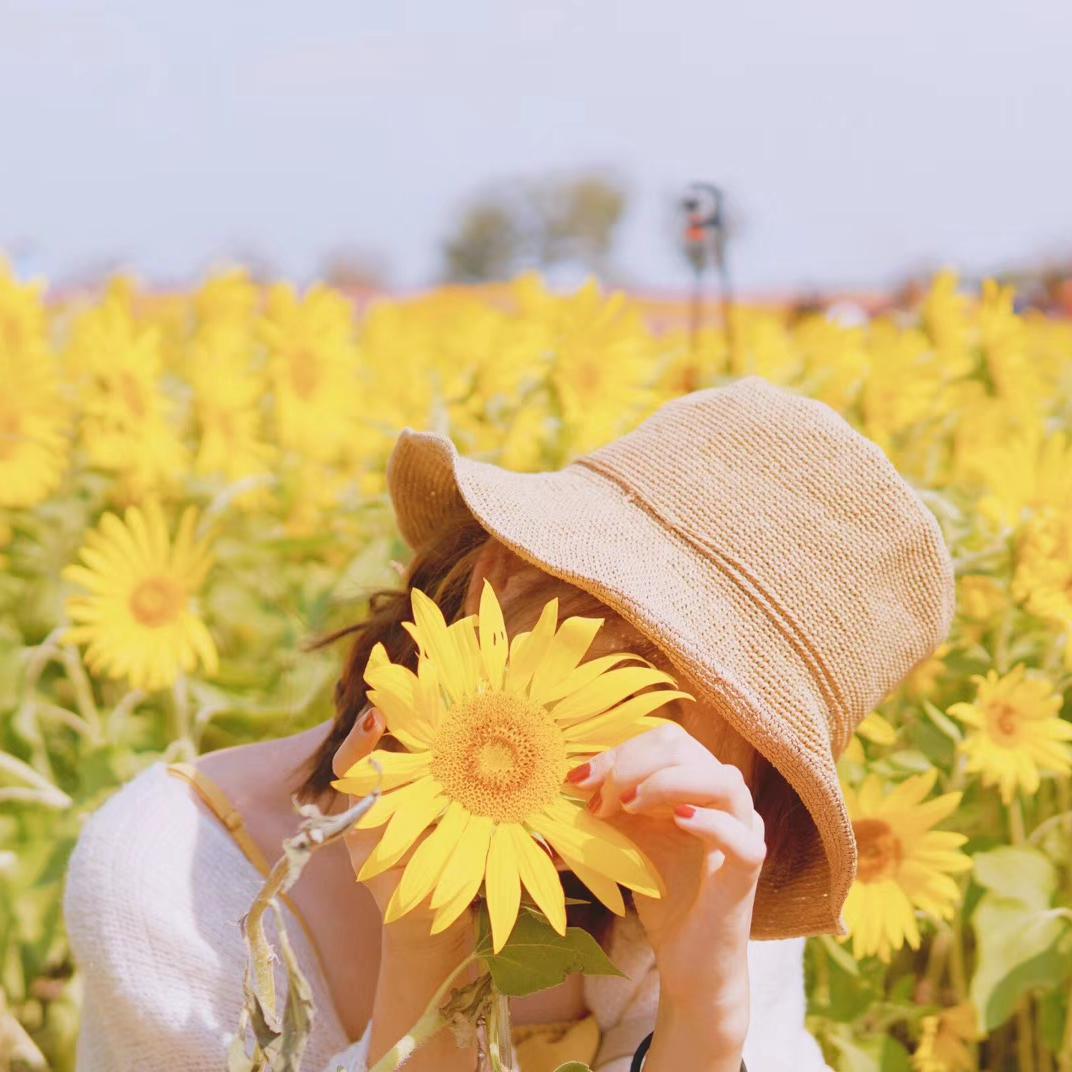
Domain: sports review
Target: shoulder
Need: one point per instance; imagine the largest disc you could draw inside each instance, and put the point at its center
(147, 864)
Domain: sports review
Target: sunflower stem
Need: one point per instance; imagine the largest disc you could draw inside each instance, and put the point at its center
(1025, 1046)
(83, 690)
(430, 1022)
(500, 1041)
(181, 736)
(1016, 822)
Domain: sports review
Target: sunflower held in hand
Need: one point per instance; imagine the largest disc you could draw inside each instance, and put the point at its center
(491, 727)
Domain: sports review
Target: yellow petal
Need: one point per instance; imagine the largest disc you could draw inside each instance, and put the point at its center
(468, 861)
(605, 889)
(586, 673)
(529, 648)
(427, 862)
(463, 632)
(404, 827)
(447, 913)
(612, 736)
(429, 630)
(399, 768)
(399, 721)
(396, 691)
(571, 829)
(502, 886)
(565, 651)
(539, 875)
(633, 709)
(494, 645)
(606, 691)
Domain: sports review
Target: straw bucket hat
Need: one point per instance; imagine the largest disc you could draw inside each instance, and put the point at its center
(770, 550)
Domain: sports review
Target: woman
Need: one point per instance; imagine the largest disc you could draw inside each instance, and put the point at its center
(745, 539)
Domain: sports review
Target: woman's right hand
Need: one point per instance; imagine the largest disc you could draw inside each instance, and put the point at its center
(413, 928)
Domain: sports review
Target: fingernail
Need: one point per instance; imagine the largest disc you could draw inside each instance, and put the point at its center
(686, 811)
(578, 774)
(595, 801)
(628, 796)
(370, 721)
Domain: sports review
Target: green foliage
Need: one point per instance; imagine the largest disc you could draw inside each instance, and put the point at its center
(536, 956)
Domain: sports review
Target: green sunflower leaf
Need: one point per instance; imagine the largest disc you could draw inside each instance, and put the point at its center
(536, 956)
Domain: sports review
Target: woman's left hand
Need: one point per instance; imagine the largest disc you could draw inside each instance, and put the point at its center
(709, 852)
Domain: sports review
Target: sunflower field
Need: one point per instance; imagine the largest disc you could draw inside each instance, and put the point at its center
(192, 484)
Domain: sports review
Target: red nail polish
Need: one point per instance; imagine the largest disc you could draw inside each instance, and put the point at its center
(595, 801)
(686, 811)
(578, 774)
(370, 721)
(628, 796)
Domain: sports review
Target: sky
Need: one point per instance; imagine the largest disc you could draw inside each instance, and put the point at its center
(855, 142)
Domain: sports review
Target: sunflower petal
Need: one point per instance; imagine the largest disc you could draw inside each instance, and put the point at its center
(529, 649)
(625, 713)
(571, 829)
(502, 886)
(388, 803)
(605, 889)
(539, 876)
(586, 673)
(565, 651)
(493, 640)
(467, 865)
(429, 630)
(606, 691)
(427, 863)
(405, 826)
(612, 736)
(399, 768)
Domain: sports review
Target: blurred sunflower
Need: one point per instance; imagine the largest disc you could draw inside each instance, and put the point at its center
(944, 1042)
(140, 620)
(876, 728)
(1017, 732)
(903, 863)
(491, 736)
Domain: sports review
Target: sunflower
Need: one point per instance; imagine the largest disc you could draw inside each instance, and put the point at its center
(1017, 731)
(491, 734)
(903, 864)
(944, 1044)
(140, 620)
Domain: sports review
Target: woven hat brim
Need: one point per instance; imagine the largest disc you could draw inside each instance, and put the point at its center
(582, 527)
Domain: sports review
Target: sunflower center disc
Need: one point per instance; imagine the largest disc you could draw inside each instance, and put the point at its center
(156, 601)
(499, 755)
(1004, 723)
(879, 850)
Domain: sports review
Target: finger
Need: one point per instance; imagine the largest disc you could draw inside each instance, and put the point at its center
(363, 737)
(744, 848)
(705, 781)
(627, 763)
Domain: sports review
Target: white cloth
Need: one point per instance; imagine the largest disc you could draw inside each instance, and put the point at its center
(155, 890)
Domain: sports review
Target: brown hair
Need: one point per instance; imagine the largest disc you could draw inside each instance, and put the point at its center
(442, 569)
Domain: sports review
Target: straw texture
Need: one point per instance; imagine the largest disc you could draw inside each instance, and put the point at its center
(772, 551)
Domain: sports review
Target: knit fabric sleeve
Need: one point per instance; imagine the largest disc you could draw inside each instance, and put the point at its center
(154, 894)
(626, 1007)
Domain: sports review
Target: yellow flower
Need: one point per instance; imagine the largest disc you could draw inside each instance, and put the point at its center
(1042, 574)
(140, 620)
(1018, 731)
(923, 678)
(1023, 472)
(904, 865)
(491, 734)
(33, 416)
(943, 1042)
(874, 727)
(980, 600)
(313, 370)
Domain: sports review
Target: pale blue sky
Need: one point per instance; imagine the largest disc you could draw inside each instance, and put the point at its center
(856, 140)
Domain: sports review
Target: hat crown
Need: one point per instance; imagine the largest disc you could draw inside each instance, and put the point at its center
(806, 515)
